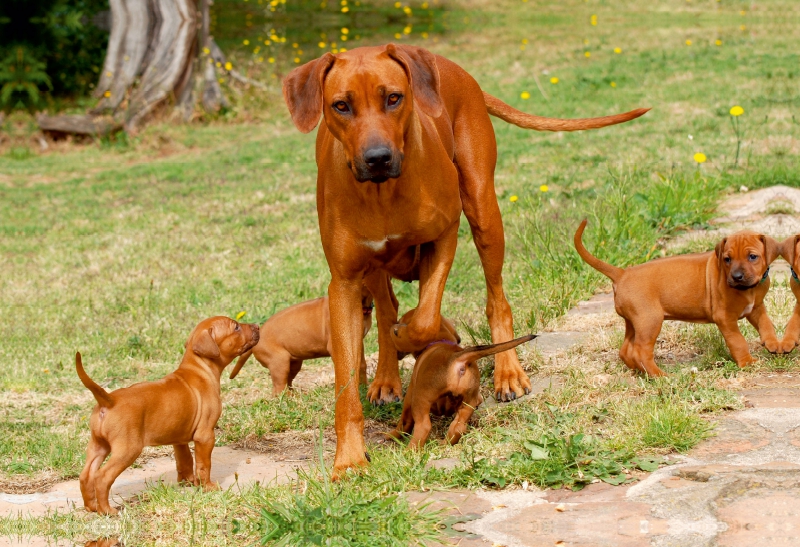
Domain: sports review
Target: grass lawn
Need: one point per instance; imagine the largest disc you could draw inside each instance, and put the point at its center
(117, 248)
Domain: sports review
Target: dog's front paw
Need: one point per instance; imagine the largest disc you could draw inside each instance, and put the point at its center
(773, 346)
(211, 486)
(786, 346)
(746, 361)
(383, 392)
(510, 382)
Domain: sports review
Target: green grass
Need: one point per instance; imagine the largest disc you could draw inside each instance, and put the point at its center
(118, 247)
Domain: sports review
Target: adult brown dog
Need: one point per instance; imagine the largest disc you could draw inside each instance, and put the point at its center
(447, 332)
(789, 251)
(183, 406)
(717, 287)
(300, 332)
(446, 381)
(415, 128)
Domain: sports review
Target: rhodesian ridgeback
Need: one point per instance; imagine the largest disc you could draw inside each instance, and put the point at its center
(717, 287)
(300, 332)
(446, 381)
(405, 146)
(183, 406)
(789, 251)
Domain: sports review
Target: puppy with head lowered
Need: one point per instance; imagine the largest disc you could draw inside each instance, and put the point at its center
(791, 252)
(717, 287)
(445, 381)
(300, 332)
(183, 406)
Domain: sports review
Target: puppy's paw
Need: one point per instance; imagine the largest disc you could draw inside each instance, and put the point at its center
(403, 341)
(746, 361)
(510, 382)
(773, 346)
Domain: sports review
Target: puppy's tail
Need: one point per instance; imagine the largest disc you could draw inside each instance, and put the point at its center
(101, 395)
(240, 363)
(474, 353)
(509, 114)
(612, 272)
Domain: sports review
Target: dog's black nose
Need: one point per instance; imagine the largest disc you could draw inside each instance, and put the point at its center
(378, 157)
(737, 276)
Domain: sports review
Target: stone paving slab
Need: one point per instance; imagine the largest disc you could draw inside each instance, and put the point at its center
(226, 464)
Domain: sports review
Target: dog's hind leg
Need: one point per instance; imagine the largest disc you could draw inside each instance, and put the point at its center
(626, 352)
(647, 329)
(294, 367)
(121, 458)
(96, 452)
(476, 157)
(184, 463)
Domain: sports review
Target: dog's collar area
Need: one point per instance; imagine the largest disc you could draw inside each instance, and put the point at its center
(766, 275)
(794, 275)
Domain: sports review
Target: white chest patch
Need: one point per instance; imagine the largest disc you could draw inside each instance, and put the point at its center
(379, 245)
(746, 311)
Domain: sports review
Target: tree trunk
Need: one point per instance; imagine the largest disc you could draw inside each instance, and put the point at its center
(150, 58)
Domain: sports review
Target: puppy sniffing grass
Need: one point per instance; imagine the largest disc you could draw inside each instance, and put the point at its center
(183, 406)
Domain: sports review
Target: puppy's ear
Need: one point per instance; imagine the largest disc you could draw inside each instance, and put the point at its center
(423, 75)
(720, 248)
(771, 248)
(302, 91)
(467, 355)
(203, 344)
(788, 248)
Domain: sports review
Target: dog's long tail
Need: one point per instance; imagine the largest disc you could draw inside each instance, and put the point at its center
(240, 363)
(612, 272)
(101, 395)
(508, 113)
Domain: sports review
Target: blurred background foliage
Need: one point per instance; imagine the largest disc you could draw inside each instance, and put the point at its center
(50, 50)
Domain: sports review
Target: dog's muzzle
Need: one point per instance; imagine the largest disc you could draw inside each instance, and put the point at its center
(378, 164)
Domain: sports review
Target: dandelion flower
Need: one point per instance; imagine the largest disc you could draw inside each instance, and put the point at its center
(524, 40)
(271, 59)
(424, 35)
(206, 51)
(407, 30)
(407, 10)
(688, 42)
(240, 315)
(554, 80)
(737, 110)
(699, 157)
(718, 42)
(613, 84)
(321, 44)
(544, 188)
(397, 4)
(617, 50)
(342, 50)
(397, 35)
(513, 198)
(107, 94)
(246, 42)
(295, 45)
(742, 27)
(345, 30)
(587, 54)
(525, 95)
(297, 59)
(424, 5)
(345, 9)
(594, 20)
(228, 66)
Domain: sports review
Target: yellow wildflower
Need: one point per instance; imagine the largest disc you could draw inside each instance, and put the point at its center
(613, 84)
(107, 94)
(345, 30)
(271, 59)
(587, 54)
(594, 20)
(700, 157)
(737, 110)
(525, 95)
(345, 9)
(297, 59)
(554, 80)
(246, 42)
(544, 188)
(321, 44)
(718, 42)
(688, 42)
(228, 66)
(407, 30)
(240, 315)
(617, 50)
(424, 35)
(512, 199)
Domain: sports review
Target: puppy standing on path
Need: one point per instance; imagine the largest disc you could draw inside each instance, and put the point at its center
(717, 287)
(300, 332)
(181, 407)
(446, 381)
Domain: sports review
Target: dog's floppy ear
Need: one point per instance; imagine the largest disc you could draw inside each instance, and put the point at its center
(720, 248)
(302, 91)
(423, 74)
(203, 344)
(771, 248)
(788, 248)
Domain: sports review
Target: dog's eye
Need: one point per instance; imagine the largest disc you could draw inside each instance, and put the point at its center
(237, 328)
(393, 99)
(341, 106)
(727, 260)
(753, 257)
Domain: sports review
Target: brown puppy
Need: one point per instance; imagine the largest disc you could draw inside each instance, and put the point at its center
(447, 333)
(789, 251)
(300, 332)
(446, 381)
(183, 406)
(405, 146)
(717, 287)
